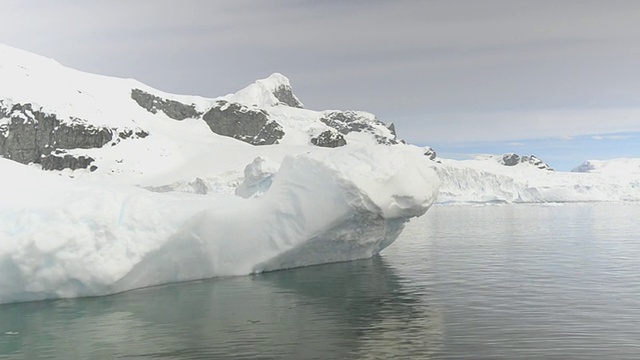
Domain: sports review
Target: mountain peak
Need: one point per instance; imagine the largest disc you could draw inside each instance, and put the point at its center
(271, 91)
(275, 80)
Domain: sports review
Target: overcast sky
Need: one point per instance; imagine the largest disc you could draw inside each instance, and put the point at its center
(561, 78)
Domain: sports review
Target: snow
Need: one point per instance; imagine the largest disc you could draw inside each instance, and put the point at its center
(185, 203)
(65, 237)
(164, 208)
(485, 180)
(176, 152)
(260, 93)
(614, 167)
(53, 88)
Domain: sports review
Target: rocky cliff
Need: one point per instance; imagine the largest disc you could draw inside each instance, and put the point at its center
(346, 122)
(29, 135)
(58, 117)
(511, 159)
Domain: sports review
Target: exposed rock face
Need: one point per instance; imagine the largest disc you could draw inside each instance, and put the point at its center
(240, 122)
(328, 138)
(384, 140)
(392, 128)
(349, 121)
(131, 134)
(535, 161)
(173, 109)
(430, 153)
(28, 135)
(61, 161)
(284, 94)
(254, 126)
(511, 159)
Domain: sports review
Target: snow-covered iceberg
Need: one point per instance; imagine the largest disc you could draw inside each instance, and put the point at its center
(145, 187)
(70, 237)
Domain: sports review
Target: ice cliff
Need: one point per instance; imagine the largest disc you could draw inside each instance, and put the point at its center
(81, 238)
(144, 187)
(507, 179)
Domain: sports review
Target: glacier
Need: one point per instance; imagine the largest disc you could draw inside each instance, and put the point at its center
(84, 238)
(484, 180)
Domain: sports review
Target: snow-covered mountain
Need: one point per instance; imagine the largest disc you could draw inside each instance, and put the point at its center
(144, 187)
(108, 184)
(61, 118)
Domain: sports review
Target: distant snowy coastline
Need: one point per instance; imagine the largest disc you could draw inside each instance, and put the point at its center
(486, 179)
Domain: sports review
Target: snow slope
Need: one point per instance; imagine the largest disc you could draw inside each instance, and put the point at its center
(173, 148)
(262, 92)
(624, 167)
(30, 78)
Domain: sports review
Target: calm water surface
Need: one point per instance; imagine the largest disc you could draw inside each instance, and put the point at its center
(486, 282)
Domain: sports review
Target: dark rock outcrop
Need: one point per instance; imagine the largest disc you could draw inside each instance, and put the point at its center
(511, 159)
(30, 135)
(238, 121)
(392, 128)
(173, 109)
(60, 161)
(430, 153)
(284, 94)
(328, 138)
(537, 162)
(349, 121)
(132, 134)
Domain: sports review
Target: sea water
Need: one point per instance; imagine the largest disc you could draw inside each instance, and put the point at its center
(554, 281)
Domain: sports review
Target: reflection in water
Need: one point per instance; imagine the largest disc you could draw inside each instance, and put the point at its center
(549, 281)
(342, 310)
(492, 282)
(381, 316)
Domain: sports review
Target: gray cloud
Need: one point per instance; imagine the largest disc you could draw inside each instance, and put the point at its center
(504, 126)
(440, 69)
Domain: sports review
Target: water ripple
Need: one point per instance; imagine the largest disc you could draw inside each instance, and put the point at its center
(495, 282)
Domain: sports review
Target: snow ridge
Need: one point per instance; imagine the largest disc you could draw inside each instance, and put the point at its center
(265, 93)
(614, 167)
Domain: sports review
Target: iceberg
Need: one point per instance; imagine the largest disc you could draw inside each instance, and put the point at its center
(66, 237)
(144, 187)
